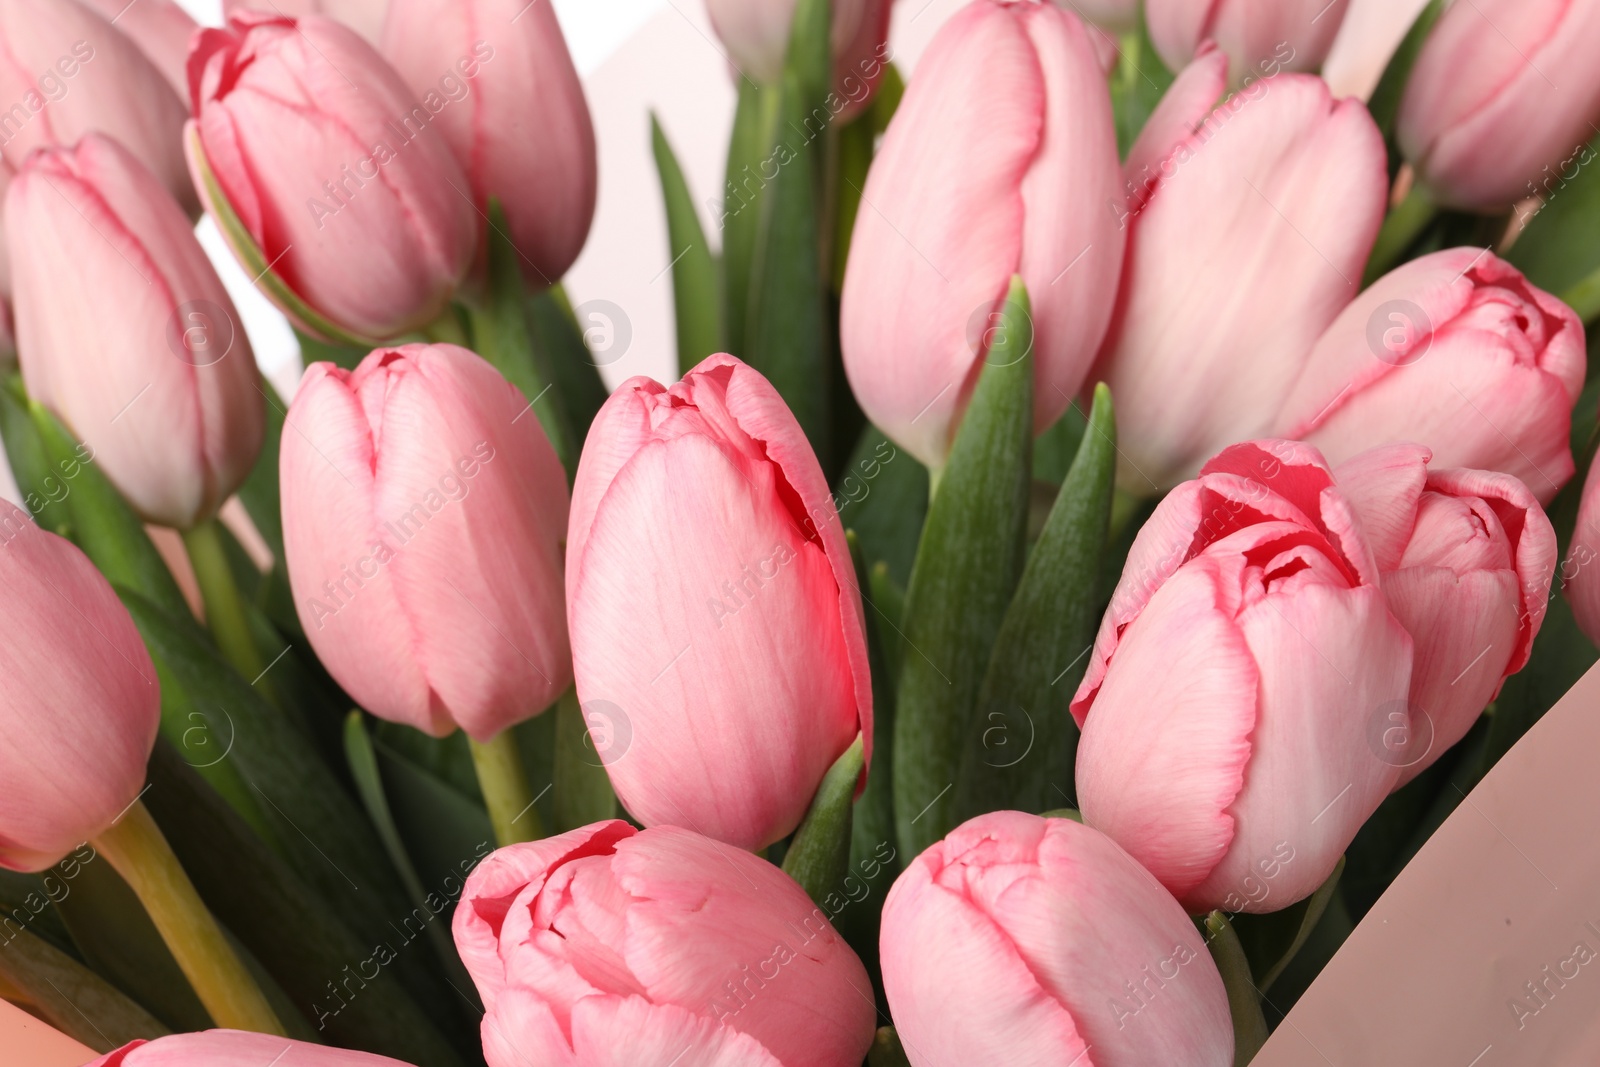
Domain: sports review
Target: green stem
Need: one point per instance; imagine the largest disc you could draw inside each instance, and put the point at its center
(1244, 1002)
(225, 614)
(1402, 227)
(935, 475)
(505, 789)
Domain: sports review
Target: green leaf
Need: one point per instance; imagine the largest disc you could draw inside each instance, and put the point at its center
(1560, 249)
(967, 566)
(749, 158)
(44, 487)
(1137, 85)
(583, 792)
(575, 350)
(888, 603)
(1385, 102)
(696, 294)
(819, 856)
(882, 494)
(1023, 743)
(259, 493)
(1271, 941)
(1244, 1002)
(439, 823)
(72, 998)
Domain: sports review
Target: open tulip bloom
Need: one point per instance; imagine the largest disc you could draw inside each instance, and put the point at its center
(1119, 474)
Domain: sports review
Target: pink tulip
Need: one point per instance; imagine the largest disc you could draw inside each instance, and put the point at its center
(423, 512)
(66, 72)
(1458, 352)
(756, 32)
(1466, 558)
(364, 16)
(1001, 160)
(1249, 231)
(160, 28)
(1229, 702)
(1261, 37)
(80, 704)
(1503, 92)
(339, 176)
(235, 1048)
(142, 355)
(615, 947)
(511, 106)
(1578, 569)
(1368, 38)
(713, 605)
(1024, 940)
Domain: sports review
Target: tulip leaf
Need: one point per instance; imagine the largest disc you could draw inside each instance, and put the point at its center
(750, 159)
(1560, 249)
(696, 294)
(259, 493)
(439, 823)
(1244, 1001)
(1385, 101)
(72, 998)
(1023, 743)
(42, 485)
(882, 494)
(888, 606)
(967, 566)
(1271, 941)
(886, 1050)
(582, 792)
(818, 857)
(576, 350)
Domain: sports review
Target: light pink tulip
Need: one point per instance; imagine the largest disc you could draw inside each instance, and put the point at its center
(65, 72)
(423, 512)
(1579, 581)
(1503, 91)
(1024, 940)
(1467, 558)
(756, 32)
(510, 104)
(142, 355)
(235, 1048)
(339, 176)
(1229, 703)
(1368, 38)
(615, 947)
(160, 28)
(1001, 160)
(1249, 231)
(713, 605)
(364, 16)
(80, 705)
(1455, 351)
(1261, 37)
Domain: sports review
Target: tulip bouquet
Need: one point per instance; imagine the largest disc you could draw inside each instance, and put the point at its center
(1122, 485)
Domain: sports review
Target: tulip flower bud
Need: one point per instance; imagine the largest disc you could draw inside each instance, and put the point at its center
(1260, 39)
(756, 34)
(1455, 351)
(80, 704)
(1503, 93)
(1368, 38)
(364, 16)
(323, 166)
(1020, 939)
(143, 356)
(235, 1048)
(161, 29)
(713, 605)
(1579, 579)
(610, 945)
(512, 108)
(1001, 160)
(1466, 560)
(67, 72)
(423, 512)
(1228, 706)
(1249, 231)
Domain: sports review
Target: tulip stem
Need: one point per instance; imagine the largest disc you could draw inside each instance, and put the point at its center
(135, 846)
(1244, 1000)
(1400, 230)
(225, 613)
(505, 789)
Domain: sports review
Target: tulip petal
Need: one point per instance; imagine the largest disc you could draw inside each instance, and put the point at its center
(1184, 107)
(1383, 485)
(627, 1032)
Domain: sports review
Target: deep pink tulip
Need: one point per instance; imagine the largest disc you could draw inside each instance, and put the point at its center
(80, 705)
(713, 605)
(339, 176)
(423, 512)
(1261, 37)
(1504, 94)
(1249, 231)
(756, 35)
(1229, 702)
(615, 947)
(161, 29)
(1456, 351)
(363, 16)
(143, 355)
(65, 72)
(235, 1048)
(1001, 160)
(1024, 940)
(510, 104)
(1368, 38)
(1466, 560)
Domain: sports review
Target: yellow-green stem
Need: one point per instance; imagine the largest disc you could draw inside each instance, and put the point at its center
(505, 790)
(1400, 229)
(134, 845)
(225, 613)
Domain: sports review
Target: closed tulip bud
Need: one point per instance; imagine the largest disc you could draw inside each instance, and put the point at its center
(1250, 225)
(512, 108)
(1229, 706)
(756, 35)
(1503, 97)
(142, 355)
(234, 1048)
(1466, 560)
(1579, 579)
(364, 16)
(1001, 160)
(1261, 39)
(80, 705)
(325, 168)
(423, 512)
(68, 72)
(1455, 351)
(610, 947)
(1368, 38)
(161, 29)
(1020, 939)
(713, 606)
